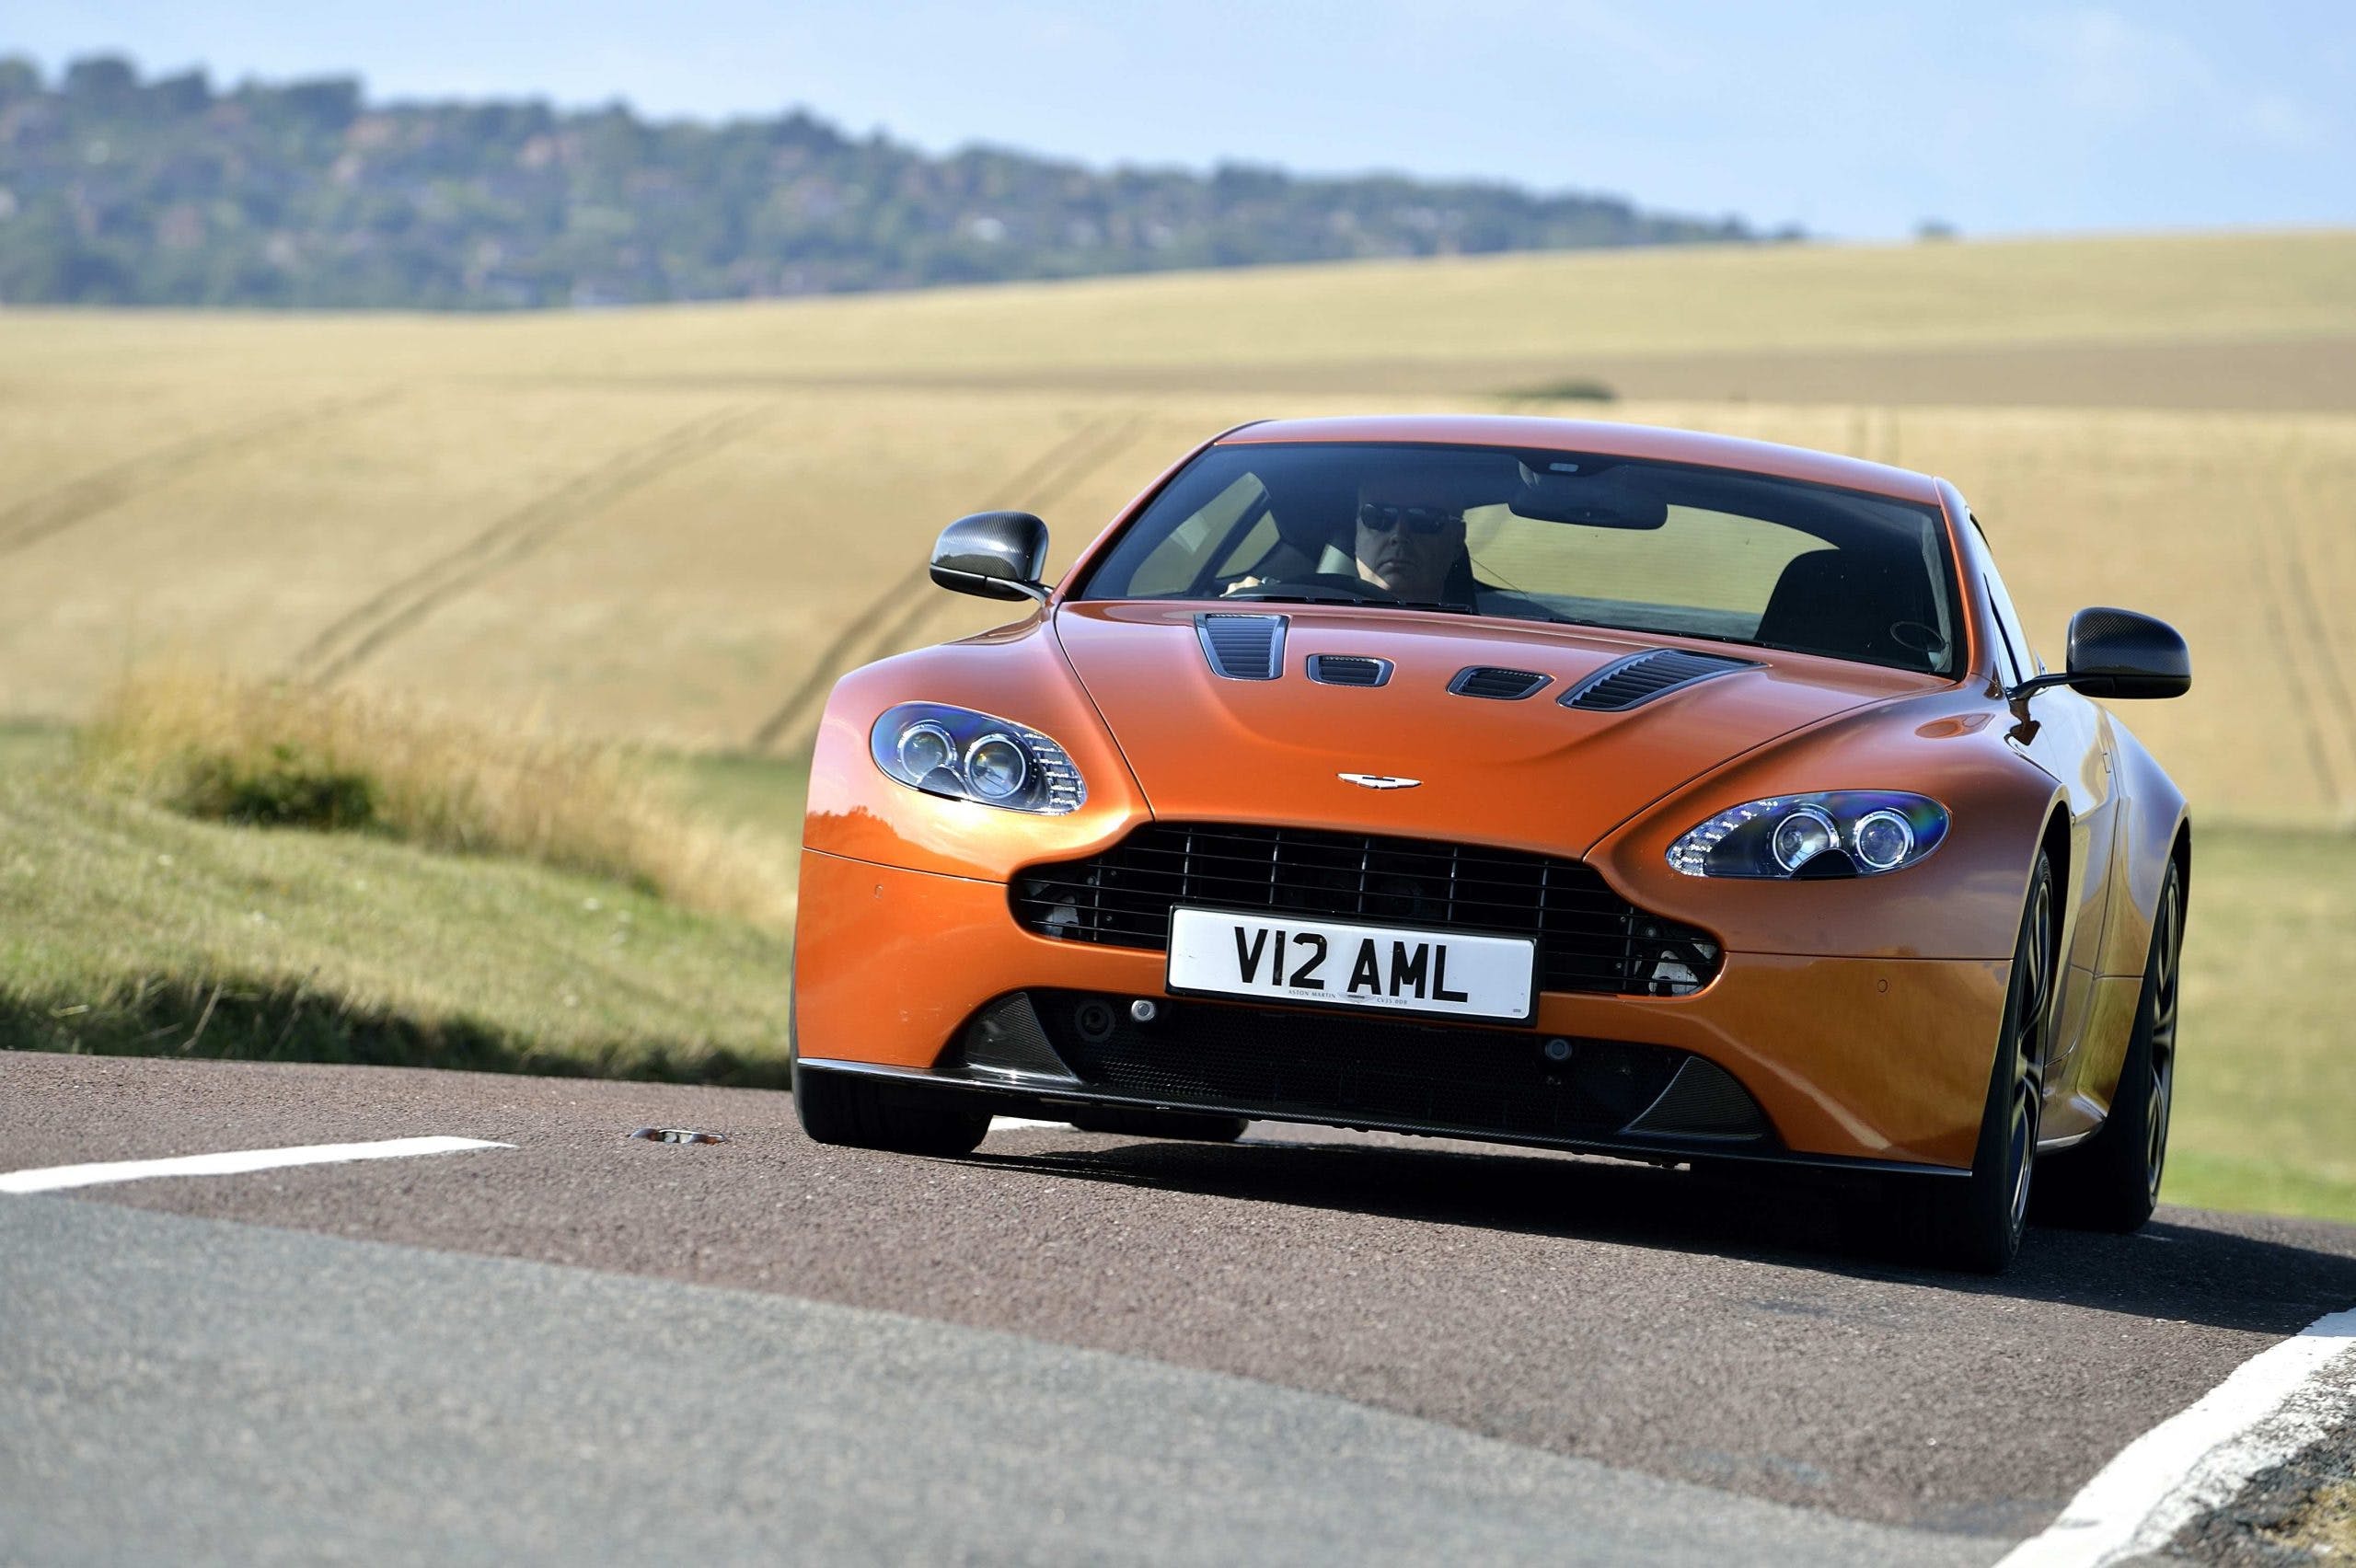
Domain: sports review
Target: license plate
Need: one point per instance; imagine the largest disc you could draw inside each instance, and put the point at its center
(1334, 963)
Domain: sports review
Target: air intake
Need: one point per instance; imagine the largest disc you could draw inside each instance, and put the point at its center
(1499, 685)
(1637, 679)
(1243, 647)
(1703, 1102)
(1348, 669)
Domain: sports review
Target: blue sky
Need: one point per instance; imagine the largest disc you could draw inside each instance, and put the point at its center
(1856, 120)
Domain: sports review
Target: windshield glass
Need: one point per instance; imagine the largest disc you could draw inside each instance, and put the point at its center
(1555, 536)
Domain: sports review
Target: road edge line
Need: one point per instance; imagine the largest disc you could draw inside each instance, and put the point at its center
(2197, 1459)
(59, 1178)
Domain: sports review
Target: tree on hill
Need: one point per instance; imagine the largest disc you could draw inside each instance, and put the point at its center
(119, 190)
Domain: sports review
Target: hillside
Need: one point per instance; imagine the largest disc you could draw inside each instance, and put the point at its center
(115, 191)
(2228, 320)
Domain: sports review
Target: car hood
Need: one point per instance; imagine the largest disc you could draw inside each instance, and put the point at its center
(1530, 773)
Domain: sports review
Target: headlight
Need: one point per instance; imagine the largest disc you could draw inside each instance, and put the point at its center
(1840, 833)
(965, 755)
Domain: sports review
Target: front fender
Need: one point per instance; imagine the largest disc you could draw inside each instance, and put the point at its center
(2151, 815)
(1962, 902)
(1016, 673)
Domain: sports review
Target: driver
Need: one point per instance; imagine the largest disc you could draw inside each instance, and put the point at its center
(1406, 538)
(1410, 537)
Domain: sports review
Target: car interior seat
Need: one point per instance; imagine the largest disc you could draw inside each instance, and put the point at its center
(1854, 605)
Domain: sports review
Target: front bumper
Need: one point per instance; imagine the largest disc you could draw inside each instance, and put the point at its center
(1883, 1060)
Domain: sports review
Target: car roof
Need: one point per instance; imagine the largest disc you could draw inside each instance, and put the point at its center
(1604, 438)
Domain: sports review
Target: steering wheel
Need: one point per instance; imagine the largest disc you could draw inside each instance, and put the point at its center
(1339, 581)
(1917, 636)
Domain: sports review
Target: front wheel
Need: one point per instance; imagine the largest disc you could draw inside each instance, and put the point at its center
(857, 1112)
(2112, 1181)
(1976, 1223)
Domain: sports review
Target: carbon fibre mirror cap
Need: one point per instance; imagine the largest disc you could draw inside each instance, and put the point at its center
(2119, 653)
(997, 555)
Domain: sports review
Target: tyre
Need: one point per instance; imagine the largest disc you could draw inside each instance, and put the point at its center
(1160, 1125)
(1976, 1224)
(2112, 1181)
(857, 1112)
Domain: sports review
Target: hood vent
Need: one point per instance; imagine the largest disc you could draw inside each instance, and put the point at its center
(1348, 669)
(1637, 679)
(1501, 685)
(1243, 647)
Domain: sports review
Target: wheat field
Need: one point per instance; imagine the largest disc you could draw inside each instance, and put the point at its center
(676, 526)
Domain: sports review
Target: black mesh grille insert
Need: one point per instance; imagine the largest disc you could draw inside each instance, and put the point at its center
(1490, 681)
(1348, 669)
(1322, 1067)
(1589, 937)
(1243, 647)
(1639, 678)
(1704, 1101)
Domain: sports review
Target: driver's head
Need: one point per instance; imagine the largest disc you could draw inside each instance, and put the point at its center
(1410, 535)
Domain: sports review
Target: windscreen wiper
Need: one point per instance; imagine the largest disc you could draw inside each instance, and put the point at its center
(1299, 596)
(1250, 596)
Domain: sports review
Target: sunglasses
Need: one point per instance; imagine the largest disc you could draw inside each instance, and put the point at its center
(1376, 518)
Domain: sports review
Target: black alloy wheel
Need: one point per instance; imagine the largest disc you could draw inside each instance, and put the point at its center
(1976, 1223)
(2112, 1181)
(2164, 977)
(860, 1112)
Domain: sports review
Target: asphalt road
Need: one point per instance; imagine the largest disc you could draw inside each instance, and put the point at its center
(1067, 1347)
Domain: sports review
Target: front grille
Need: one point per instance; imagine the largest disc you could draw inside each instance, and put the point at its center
(1589, 937)
(1320, 1066)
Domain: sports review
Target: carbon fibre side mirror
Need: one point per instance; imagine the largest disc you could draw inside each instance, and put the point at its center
(997, 555)
(2119, 653)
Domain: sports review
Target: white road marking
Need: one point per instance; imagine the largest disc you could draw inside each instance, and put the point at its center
(2274, 1404)
(51, 1178)
(1012, 1124)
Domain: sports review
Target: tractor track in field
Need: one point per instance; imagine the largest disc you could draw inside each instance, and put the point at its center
(894, 615)
(2328, 673)
(55, 509)
(2262, 569)
(1873, 434)
(402, 606)
(2301, 638)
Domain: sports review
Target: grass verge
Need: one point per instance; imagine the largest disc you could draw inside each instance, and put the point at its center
(133, 929)
(286, 753)
(2265, 1085)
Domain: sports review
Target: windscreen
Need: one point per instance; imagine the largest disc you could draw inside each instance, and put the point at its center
(1550, 536)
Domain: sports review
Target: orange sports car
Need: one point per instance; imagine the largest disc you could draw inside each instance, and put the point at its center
(1578, 785)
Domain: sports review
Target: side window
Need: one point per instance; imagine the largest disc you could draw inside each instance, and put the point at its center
(2016, 659)
(2015, 651)
(2008, 659)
